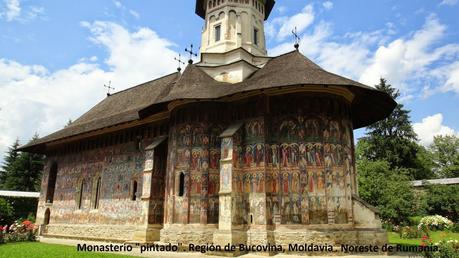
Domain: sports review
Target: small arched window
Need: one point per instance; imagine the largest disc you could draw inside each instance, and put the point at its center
(97, 194)
(181, 184)
(80, 195)
(134, 191)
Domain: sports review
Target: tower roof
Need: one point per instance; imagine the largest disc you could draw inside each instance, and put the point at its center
(201, 8)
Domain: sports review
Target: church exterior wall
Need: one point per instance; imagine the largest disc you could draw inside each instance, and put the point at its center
(118, 214)
(285, 176)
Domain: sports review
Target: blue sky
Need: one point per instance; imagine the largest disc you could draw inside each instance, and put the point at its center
(55, 56)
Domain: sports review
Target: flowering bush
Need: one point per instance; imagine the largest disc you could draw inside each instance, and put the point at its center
(435, 222)
(18, 231)
(410, 232)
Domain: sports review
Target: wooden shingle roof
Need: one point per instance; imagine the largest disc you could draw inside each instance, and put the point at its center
(292, 69)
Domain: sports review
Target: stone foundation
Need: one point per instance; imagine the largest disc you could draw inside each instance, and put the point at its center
(188, 234)
(116, 233)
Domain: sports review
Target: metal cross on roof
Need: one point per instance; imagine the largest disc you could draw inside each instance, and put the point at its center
(180, 62)
(297, 38)
(109, 87)
(191, 54)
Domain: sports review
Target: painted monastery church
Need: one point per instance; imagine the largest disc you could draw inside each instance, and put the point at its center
(240, 148)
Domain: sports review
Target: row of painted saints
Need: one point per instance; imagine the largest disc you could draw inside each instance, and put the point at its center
(290, 155)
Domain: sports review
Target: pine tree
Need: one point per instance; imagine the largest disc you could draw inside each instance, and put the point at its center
(9, 162)
(394, 140)
(23, 173)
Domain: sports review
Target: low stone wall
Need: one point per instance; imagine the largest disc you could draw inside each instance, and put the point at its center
(93, 232)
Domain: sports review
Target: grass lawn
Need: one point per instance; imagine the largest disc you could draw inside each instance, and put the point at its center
(435, 236)
(42, 250)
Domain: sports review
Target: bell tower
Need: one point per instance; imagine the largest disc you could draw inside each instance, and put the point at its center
(233, 31)
(230, 24)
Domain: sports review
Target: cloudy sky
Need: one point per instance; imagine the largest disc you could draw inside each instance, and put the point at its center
(55, 56)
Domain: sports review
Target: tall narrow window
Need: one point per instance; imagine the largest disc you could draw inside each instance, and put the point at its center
(97, 197)
(134, 191)
(255, 36)
(218, 29)
(47, 216)
(51, 183)
(80, 195)
(181, 184)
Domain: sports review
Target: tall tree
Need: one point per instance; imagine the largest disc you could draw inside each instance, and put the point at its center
(24, 173)
(393, 138)
(9, 162)
(445, 151)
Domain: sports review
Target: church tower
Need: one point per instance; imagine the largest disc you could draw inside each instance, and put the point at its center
(233, 43)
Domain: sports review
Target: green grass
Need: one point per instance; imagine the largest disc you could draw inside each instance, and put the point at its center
(42, 250)
(435, 236)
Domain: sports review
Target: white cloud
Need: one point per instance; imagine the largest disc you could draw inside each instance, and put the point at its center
(328, 5)
(409, 59)
(37, 100)
(12, 10)
(281, 27)
(415, 63)
(432, 126)
(449, 2)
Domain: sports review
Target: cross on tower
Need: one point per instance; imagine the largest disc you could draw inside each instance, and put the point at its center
(180, 62)
(191, 54)
(109, 87)
(297, 38)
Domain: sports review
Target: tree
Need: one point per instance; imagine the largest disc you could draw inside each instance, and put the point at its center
(393, 138)
(22, 171)
(9, 162)
(443, 200)
(445, 152)
(388, 190)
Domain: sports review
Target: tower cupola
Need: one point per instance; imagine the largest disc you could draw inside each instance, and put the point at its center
(231, 24)
(233, 37)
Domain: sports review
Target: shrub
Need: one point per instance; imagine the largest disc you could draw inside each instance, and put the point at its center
(414, 220)
(454, 228)
(19, 231)
(410, 232)
(442, 200)
(435, 222)
(6, 212)
(446, 249)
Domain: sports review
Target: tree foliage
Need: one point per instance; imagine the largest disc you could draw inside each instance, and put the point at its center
(6, 212)
(22, 171)
(445, 152)
(387, 189)
(394, 140)
(443, 200)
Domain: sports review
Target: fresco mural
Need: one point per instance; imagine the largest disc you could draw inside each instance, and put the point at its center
(291, 166)
(195, 152)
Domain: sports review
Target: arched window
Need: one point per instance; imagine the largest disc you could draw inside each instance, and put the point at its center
(80, 195)
(97, 194)
(181, 184)
(47, 216)
(51, 183)
(134, 191)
